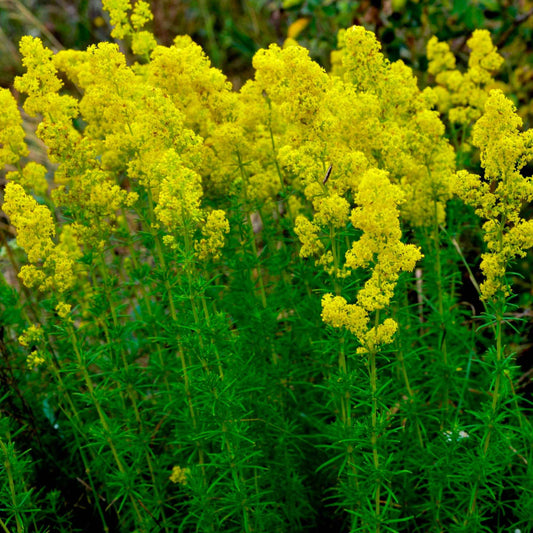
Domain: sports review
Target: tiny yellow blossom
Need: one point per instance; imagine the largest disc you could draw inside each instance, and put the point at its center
(213, 231)
(31, 336)
(331, 210)
(179, 475)
(142, 43)
(178, 205)
(35, 359)
(63, 309)
(40, 78)
(463, 95)
(141, 14)
(339, 314)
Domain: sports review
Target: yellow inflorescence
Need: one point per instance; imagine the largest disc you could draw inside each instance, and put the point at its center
(351, 150)
(379, 247)
(499, 196)
(463, 95)
(179, 475)
(12, 145)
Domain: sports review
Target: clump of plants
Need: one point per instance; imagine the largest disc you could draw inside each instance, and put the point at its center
(280, 309)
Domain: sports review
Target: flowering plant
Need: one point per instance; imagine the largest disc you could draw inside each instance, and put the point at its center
(243, 311)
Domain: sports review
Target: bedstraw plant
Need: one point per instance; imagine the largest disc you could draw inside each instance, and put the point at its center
(287, 308)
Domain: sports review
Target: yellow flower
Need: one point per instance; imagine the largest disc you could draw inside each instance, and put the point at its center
(40, 78)
(34, 222)
(35, 359)
(31, 336)
(12, 145)
(308, 234)
(379, 247)
(141, 14)
(213, 230)
(339, 314)
(118, 13)
(63, 309)
(32, 178)
(179, 475)
(499, 196)
(331, 210)
(178, 206)
(439, 57)
(463, 95)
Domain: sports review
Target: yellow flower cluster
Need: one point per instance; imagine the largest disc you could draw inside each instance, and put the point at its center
(380, 248)
(213, 231)
(31, 177)
(179, 475)
(463, 95)
(35, 359)
(53, 266)
(331, 213)
(142, 41)
(500, 195)
(31, 336)
(409, 140)
(12, 145)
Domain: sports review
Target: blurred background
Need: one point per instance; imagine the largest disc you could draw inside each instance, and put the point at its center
(231, 31)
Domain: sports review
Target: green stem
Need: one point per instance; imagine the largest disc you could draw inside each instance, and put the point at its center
(374, 436)
(103, 420)
(440, 306)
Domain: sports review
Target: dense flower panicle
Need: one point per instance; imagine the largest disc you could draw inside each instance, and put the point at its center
(377, 211)
(201, 92)
(42, 84)
(362, 61)
(439, 56)
(12, 144)
(180, 194)
(463, 95)
(307, 232)
(281, 110)
(409, 139)
(125, 24)
(31, 177)
(118, 14)
(40, 78)
(213, 231)
(134, 126)
(379, 247)
(34, 223)
(63, 309)
(300, 99)
(484, 57)
(223, 168)
(52, 266)
(499, 197)
(504, 151)
(95, 199)
(337, 312)
(331, 210)
(141, 14)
